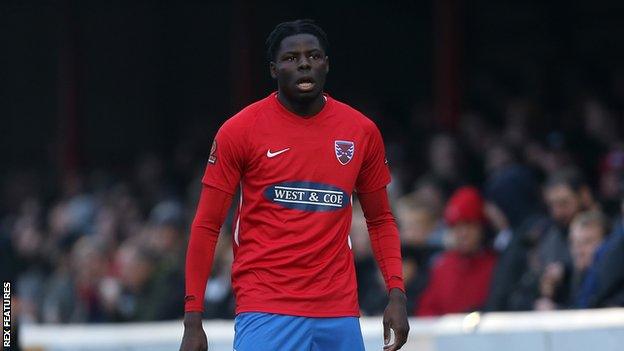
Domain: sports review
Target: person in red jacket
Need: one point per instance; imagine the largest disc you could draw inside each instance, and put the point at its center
(460, 279)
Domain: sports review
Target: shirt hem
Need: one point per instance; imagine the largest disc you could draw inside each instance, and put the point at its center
(299, 313)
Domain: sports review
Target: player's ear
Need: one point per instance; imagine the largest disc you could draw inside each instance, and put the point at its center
(326, 64)
(273, 70)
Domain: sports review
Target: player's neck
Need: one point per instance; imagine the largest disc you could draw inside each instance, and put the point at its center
(303, 109)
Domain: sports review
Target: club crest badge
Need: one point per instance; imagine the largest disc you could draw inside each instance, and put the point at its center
(344, 151)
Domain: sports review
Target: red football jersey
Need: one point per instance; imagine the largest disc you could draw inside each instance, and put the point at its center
(292, 253)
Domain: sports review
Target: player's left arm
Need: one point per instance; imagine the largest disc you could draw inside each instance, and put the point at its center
(384, 236)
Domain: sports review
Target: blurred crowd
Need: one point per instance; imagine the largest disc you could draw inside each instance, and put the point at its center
(509, 217)
(503, 215)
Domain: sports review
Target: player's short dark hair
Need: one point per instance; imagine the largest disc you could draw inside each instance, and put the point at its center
(286, 29)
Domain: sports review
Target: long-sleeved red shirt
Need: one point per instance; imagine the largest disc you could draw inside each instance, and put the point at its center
(290, 238)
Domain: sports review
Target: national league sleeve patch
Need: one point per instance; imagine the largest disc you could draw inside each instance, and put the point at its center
(212, 159)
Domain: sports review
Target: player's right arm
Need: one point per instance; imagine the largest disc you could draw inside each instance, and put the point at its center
(211, 212)
(224, 170)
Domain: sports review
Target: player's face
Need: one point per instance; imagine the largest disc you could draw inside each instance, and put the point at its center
(300, 67)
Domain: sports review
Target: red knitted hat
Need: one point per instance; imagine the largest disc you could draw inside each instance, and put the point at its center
(466, 205)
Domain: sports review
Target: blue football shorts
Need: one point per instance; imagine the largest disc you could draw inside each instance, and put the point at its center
(276, 332)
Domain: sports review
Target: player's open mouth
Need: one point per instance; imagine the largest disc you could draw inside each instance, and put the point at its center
(305, 84)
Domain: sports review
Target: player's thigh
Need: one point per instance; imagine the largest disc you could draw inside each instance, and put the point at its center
(266, 331)
(337, 334)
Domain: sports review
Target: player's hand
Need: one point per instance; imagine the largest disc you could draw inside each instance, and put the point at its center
(395, 318)
(194, 338)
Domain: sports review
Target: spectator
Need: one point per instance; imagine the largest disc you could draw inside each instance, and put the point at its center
(418, 224)
(611, 182)
(429, 191)
(544, 244)
(460, 279)
(512, 206)
(511, 189)
(73, 292)
(136, 269)
(587, 245)
(610, 270)
(444, 161)
(618, 227)
(566, 194)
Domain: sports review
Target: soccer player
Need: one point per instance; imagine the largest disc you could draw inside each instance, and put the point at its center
(298, 156)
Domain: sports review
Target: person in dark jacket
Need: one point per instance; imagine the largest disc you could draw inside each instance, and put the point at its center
(610, 269)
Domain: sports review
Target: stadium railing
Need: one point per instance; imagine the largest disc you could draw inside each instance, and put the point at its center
(579, 330)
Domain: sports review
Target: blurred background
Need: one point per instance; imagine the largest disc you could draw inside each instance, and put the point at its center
(503, 123)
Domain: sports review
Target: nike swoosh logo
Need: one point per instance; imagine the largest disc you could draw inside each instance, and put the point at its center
(273, 154)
